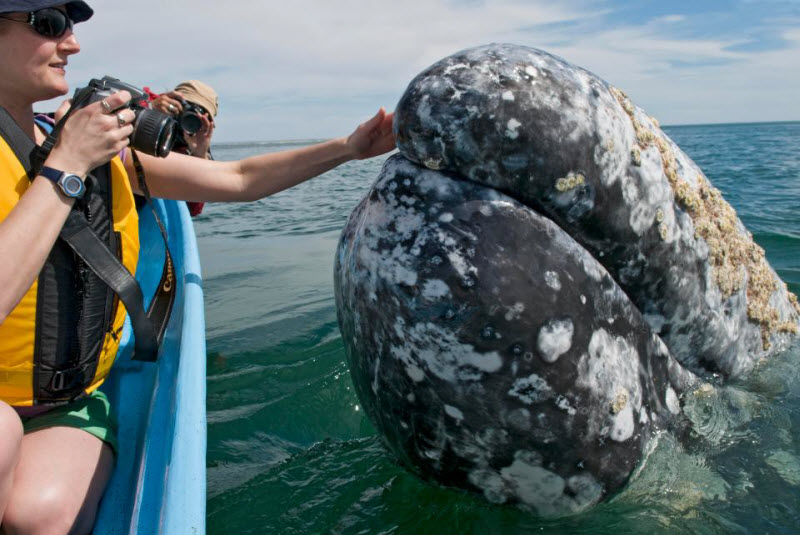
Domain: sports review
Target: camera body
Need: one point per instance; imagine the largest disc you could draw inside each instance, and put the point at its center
(153, 131)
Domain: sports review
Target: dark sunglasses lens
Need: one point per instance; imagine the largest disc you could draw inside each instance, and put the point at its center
(51, 22)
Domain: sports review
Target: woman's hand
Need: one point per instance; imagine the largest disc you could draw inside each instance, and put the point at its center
(169, 103)
(92, 135)
(200, 141)
(373, 137)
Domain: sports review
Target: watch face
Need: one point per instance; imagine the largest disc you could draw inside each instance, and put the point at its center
(73, 185)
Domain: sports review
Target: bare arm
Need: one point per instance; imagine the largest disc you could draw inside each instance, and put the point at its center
(194, 179)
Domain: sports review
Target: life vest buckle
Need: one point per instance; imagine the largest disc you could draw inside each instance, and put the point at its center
(59, 381)
(66, 379)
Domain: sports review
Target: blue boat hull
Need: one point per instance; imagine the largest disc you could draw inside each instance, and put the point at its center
(159, 482)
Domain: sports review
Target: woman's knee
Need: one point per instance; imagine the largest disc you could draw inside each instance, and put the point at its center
(50, 511)
(58, 482)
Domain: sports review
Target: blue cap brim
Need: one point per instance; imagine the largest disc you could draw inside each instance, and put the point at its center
(77, 10)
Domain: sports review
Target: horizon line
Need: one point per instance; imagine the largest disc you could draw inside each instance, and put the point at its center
(299, 141)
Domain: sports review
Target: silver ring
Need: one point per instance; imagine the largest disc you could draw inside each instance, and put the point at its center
(121, 120)
(106, 106)
(172, 107)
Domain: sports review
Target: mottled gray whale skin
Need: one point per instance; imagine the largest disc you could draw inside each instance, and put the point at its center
(525, 289)
(564, 142)
(490, 349)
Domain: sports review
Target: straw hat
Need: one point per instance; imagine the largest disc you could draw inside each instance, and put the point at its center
(199, 93)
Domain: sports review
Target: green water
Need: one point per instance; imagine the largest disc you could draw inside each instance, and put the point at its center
(290, 451)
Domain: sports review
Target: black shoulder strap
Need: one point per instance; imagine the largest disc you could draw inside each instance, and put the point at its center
(94, 252)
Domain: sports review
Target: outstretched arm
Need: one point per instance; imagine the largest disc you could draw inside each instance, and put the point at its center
(194, 179)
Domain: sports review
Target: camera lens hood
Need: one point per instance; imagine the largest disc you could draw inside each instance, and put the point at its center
(153, 133)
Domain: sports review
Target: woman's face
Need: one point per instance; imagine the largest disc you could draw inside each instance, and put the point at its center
(33, 66)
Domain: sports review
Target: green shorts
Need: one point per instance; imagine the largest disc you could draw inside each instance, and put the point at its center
(92, 414)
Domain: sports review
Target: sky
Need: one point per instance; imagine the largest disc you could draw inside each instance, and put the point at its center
(311, 69)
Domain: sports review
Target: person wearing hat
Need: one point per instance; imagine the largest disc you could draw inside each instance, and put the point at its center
(57, 453)
(198, 143)
(199, 94)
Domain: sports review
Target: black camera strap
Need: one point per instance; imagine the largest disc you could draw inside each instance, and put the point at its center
(161, 304)
(96, 254)
(40, 153)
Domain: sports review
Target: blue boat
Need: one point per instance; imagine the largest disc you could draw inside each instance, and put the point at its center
(159, 482)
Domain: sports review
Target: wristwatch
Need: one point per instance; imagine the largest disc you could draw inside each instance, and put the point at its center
(71, 185)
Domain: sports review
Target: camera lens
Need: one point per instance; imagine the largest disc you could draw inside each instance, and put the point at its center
(153, 133)
(190, 122)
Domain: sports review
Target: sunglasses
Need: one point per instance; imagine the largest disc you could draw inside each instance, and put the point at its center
(48, 22)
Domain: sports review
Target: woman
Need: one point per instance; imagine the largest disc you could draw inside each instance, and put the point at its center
(53, 472)
(195, 143)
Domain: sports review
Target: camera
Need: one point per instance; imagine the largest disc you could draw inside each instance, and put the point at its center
(189, 120)
(153, 131)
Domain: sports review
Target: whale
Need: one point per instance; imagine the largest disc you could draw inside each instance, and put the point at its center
(534, 281)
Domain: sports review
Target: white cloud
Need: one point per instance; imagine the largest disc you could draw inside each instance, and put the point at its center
(669, 19)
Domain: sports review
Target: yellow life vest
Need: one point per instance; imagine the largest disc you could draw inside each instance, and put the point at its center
(53, 347)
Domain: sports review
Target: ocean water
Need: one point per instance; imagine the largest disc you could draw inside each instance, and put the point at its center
(291, 452)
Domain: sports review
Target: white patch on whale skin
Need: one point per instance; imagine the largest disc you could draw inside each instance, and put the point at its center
(453, 412)
(612, 153)
(526, 480)
(563, 403)
(586, 491)
(508, 95)
(610, 365)
(485, 210)
(427, 344)
(552, 280)
(490, 483)
(641, 218)
(415, 373)
(643, 419)
(460, 264)
(555, 339)
(514, 312)
(455, 67)
(671, 399)
(535, 486)
(623, 426)
(434, 289)
(511, 128)
(592, 267)
(531, 389)
(446, 217)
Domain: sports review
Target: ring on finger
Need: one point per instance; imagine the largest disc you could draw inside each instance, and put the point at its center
(106, 106)
(121, 120)
(171, 108)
